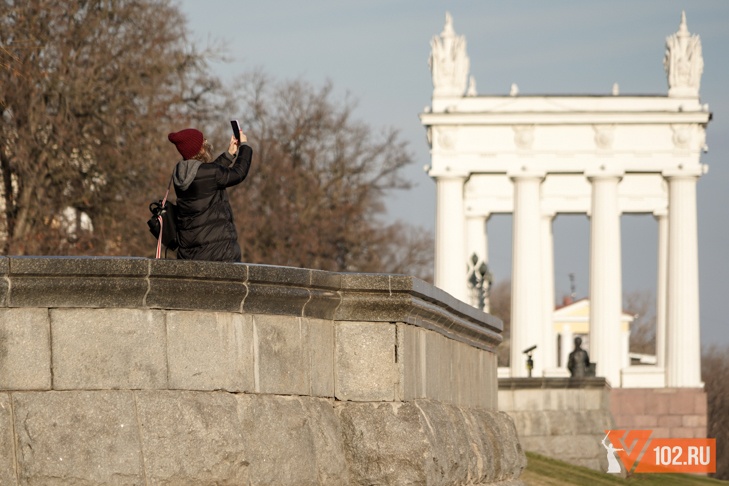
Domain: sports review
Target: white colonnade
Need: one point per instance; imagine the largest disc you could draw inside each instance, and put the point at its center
(536, 157)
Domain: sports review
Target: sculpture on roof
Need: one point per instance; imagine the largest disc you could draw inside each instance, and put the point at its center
(449, 63)
(683, 62)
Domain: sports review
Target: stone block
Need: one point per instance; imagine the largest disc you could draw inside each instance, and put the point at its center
(196, 285)
(682, 402)
(628, 401)
(452, 456)
(324, 295)
(275, 299)
(594, 399)
(495, 436)
(77, 281)
(488, 383)
(7, 442)
(108, 348)
(25, 349)
(321, 349)
(438, 368)
(411, 362)
(365, 361)
(210, 351)
(656, 402)
(669, 421)
(539, 423)
(683, 432)
(467, 371)
(285, 439)
(700, 404)
(191, 438)
(645, 421)
(282, 355)
(693, 421)
(385, 443)
(506, 400)
(529, 400)
(326, 433)
(77, 437)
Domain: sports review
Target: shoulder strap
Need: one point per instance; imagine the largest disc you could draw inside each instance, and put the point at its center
(161, 223)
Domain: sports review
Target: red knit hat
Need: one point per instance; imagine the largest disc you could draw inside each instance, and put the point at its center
(188, 142)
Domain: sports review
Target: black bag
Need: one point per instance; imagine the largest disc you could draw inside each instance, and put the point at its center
(163, 223)
(168, 214)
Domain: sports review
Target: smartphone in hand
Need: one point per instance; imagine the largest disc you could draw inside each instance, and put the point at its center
(236, 129)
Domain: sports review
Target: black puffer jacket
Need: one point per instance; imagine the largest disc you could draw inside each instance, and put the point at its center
(204, 218)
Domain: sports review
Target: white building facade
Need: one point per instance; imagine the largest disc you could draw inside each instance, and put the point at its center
(535, 157)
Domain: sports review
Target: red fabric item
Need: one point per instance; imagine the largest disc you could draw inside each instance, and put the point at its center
(188, 142)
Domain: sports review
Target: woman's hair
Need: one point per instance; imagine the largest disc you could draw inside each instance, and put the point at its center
(206, 152)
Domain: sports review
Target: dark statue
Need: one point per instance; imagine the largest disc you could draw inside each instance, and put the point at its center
(579, 361)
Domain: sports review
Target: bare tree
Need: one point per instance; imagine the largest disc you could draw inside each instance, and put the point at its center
(314, 197)
(714, 370)
(500, 301)
(88, 91)
(643, 328)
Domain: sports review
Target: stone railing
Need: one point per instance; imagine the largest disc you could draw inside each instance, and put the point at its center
(138, 371)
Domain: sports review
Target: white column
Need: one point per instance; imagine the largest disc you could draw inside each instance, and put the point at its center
(450, 237)
(661, 286)
(625, 348)
(549, 337)
(683, 353)
(526, 293)
(477, 243)
(605, 276)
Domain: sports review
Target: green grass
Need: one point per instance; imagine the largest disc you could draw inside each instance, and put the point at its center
(543, 471)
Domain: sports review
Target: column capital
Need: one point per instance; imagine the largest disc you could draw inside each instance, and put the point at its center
(605, 172)
(682, 171)
(526, 172)
(449, 173)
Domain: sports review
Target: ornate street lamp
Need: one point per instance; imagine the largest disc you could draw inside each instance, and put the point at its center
(480, 279)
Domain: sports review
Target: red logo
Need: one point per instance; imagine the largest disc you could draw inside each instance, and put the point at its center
(641, 454)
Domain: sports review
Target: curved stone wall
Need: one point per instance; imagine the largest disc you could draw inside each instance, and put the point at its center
(138, 371)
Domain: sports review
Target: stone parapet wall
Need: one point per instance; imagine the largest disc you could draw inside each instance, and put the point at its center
(187, 437)
(560, 418)
(137, 371)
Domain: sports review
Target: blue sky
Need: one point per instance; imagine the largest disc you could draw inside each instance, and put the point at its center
(378, 51)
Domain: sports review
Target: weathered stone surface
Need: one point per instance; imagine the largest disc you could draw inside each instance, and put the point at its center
(289, 443)
(365, 361)
(439, 369)
(282, 355)
(7, 442)
(185, 284)
(210, 351)
(108, 348)
(411, 362)
(275, 299)
(326, 432)
(25, 349)
(192, 438)
(450, 451)
(321, 345)
(77, 282)
(77, 438)
(384, 443)
(195, 327)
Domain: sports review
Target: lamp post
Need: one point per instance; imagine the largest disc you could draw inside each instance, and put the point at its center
(480, 279)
